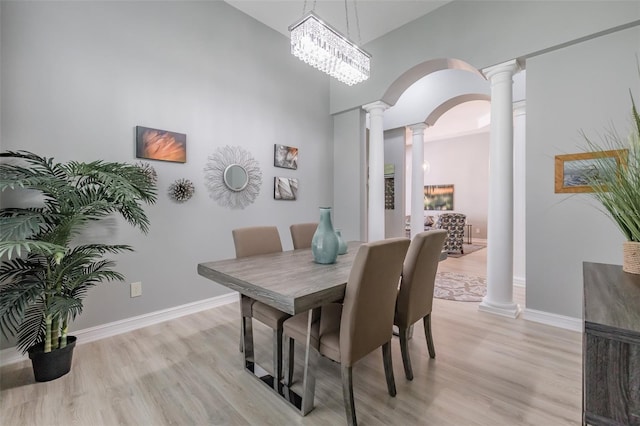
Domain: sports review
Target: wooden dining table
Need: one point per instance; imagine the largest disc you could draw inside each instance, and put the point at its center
(292, 282)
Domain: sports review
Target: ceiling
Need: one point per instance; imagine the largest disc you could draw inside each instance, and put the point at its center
(375, 17)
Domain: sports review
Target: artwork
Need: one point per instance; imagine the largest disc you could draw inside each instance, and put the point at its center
(438, 197)
(162, 145)
(285, 157)
(181, 190)
(221, 172)
(573, 171)
(285, 188)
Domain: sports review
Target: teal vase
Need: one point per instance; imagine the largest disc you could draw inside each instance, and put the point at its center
(324, 244)
(342, 244)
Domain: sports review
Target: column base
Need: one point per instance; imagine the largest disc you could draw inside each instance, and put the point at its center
(511, 310)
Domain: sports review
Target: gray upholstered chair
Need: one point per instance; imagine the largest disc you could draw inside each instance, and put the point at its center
(252, 241)
(302, 234)
(415, 296)
(454, 224)
(364, 321)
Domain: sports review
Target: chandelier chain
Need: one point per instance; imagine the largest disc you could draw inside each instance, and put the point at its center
(304, 7)
(346, 14)
(355, 8)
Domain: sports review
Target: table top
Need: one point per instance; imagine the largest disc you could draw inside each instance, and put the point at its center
(611, 297)
(290, 281)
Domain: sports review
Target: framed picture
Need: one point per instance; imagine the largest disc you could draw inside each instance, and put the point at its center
(285, 157)
(285, 188)
(163, 145)
(438, 197)
(573, 171)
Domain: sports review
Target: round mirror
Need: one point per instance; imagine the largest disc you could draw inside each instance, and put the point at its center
(236, 177)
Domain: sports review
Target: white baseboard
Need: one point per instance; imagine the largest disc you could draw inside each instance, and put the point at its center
(475, 240)
(555, 320)
(12, 355)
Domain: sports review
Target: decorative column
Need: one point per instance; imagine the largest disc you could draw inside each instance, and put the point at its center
(417, 179)
(519, 193)
(376, 170)
(499, 298)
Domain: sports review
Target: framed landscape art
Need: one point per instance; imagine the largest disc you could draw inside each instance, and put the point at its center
(162, 145)
(573, 171)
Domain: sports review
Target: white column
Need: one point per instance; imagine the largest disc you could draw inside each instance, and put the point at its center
(499, 298)
(519, 198)
(417, 179)
(376, 170)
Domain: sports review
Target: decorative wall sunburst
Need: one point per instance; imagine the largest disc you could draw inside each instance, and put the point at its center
(181, 190)
(214, 171)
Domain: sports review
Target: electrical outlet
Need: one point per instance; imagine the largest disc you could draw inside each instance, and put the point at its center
(477, 230)
(136, 289)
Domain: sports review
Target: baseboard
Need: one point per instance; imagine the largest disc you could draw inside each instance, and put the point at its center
(12, 355)
(555, 320)
(475, 240)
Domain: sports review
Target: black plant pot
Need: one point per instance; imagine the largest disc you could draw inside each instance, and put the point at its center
(54, 364)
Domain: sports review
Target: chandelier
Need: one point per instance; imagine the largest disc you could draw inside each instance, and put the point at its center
(323, 47)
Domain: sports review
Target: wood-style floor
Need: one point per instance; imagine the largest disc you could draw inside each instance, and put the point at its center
(488, 371)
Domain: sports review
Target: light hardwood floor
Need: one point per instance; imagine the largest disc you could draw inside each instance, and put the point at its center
(488, 371)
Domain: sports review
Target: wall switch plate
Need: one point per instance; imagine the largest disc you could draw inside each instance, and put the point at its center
(136, 289)
(477, 230)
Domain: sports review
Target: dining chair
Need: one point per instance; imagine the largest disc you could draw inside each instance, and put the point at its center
(415, 296)
(454, 224)
(252, 241)
(302, 234)
(363, 322)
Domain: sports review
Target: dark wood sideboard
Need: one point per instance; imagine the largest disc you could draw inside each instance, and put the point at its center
(611, 346)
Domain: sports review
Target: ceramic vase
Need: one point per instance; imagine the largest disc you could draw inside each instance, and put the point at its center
(342, 244)
(324, 244)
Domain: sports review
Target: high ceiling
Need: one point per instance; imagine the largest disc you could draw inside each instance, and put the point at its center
(375, 17)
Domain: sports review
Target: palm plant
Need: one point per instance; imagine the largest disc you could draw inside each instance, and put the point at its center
(44, 276)
(616, 183)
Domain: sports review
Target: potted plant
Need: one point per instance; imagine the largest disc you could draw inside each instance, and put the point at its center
(46, 271)
(616, 185)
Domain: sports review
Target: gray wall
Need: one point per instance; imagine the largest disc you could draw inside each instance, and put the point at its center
(585, 86)
(77, 77)
(394, 153)
(481, 33)
(349, 174)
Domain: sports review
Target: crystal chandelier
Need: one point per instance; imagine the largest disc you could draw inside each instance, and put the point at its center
(323, 47)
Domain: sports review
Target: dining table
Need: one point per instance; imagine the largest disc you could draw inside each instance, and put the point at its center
(291, 282)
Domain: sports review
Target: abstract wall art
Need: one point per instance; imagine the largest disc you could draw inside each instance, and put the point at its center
(162, 145)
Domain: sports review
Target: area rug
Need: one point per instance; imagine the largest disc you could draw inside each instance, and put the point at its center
(460, 287)
(468, 248)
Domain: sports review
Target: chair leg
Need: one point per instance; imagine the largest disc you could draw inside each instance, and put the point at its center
(388, 368)
(347, 394)
(287, 362)
(427, 333)
(403, 333)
